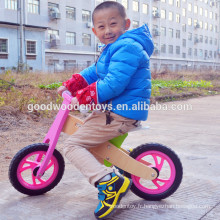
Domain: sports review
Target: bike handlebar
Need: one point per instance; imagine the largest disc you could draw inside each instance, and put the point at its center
(67, 95)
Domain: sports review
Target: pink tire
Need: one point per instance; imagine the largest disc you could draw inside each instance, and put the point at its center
(169, 169)
(24, 167)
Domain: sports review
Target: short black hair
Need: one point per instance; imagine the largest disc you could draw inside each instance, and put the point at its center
(110, 4)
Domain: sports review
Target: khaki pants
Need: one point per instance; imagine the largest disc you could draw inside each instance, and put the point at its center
(95, 130)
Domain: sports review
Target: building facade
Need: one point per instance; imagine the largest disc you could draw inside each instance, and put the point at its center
(57, 35)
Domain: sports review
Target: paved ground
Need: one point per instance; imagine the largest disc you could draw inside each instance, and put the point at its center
(194, 135)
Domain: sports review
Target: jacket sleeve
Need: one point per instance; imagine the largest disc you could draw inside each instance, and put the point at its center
(89, 74)
(81, 80)
(123, 64)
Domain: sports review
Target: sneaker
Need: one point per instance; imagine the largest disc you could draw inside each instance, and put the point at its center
(110, 194)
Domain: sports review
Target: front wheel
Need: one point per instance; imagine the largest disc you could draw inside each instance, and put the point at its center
(26, 163)
(168, 166)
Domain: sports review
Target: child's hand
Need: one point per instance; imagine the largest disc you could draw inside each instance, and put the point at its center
(61, 89)
(74, 101)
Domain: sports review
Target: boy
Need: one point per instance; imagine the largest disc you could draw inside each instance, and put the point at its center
(120, 76)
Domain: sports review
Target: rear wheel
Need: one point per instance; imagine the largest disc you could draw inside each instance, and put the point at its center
(166, 163)
(24, 167)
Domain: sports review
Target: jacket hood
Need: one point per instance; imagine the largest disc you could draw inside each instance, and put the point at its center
(141, 35)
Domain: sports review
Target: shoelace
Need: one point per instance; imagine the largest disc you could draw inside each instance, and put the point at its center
(101, 195)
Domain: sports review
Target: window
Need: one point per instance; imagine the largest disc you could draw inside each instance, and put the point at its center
(201, 53)
(190, 21)
(210, 54)
(34, 6)
(177, 18)
(71, 13)
(211, 15)
(195, 52)
(178, 34)
(206, 26)
(210, 40)
(201, 24)
(86, 39)
(178, 3)
(216, 41)
(170, 16)
(163, 48)
(135, 6)
(53, 5)
(206, 13)
(189, 7)
(184, 55)
(163, 31)
(163, 14)
(171, 49)
(184, 27)
(135, 24)
(206, 39)
(86, 15)
(125, 3)
(11, 4)
(190, 51)
(52, 32)
(201, 11)
(145, 9)
(201, 38)
(189, 36)
(211, 27)
(71, 38)
(184, 42)
(3, 46)
(184, 12)
(170, 33)
(31, 47)
(170, 2)
(178, 50)
(195, 9)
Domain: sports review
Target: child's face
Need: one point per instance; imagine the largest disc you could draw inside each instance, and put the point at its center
(109, 25)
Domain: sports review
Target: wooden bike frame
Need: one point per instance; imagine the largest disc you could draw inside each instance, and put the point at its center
(116, 156)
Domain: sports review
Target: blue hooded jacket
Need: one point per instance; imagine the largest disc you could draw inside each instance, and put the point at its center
(123, 74)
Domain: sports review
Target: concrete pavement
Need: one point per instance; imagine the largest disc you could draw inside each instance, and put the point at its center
(194, 135)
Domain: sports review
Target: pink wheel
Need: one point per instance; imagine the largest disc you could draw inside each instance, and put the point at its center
(24, 167)
(168, 166)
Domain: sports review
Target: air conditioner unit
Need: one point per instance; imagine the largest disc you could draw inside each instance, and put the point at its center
(196, 40)
(89, 24)
(55, 13)
(54, 40)
(156, 52)
(156, 14)
(156, 32)
(197, 25)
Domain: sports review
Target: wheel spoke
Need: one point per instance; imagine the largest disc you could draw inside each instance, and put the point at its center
(49, 165)
(156, 184)
(162, 180)
(39, 157)
(32, 163)
(25, 168)
(34, 180)
(155, 160)
(161, 164)
(42, 181)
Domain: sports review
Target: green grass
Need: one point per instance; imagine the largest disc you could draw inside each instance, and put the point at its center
(180, 84)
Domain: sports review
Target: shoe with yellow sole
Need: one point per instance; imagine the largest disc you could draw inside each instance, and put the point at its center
(110, 194)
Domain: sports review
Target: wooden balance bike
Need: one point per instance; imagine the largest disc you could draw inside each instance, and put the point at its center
(155, 169)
